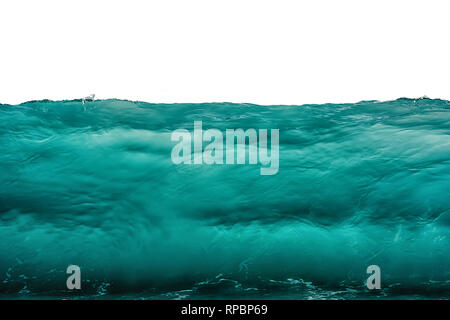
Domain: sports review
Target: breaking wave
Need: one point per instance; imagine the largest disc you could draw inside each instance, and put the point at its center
(94, 185)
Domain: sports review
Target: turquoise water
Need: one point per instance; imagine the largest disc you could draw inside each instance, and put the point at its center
(94, 185)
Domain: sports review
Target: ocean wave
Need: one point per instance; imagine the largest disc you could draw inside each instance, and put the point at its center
(94, 185)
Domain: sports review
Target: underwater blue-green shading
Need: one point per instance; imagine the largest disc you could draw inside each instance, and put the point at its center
(94, 185)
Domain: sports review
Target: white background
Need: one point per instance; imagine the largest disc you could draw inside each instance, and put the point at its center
(266, 52)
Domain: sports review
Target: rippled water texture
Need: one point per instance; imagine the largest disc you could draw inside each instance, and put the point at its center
(94, 185)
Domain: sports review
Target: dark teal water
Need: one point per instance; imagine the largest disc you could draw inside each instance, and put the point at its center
(94, 185)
